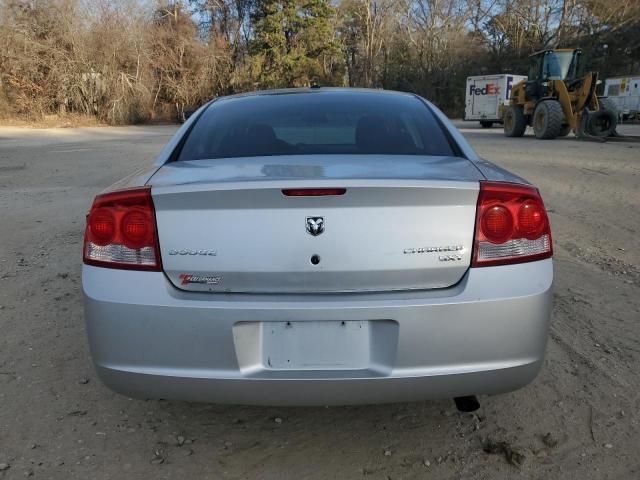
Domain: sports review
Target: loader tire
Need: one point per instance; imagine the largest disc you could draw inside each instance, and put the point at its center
(601, 123)
(609, 105)
(548, 119)
(515, 123)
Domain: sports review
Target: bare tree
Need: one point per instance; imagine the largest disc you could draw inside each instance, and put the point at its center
(125, 61)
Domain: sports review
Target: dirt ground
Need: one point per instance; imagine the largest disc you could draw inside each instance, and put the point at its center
(578, 420)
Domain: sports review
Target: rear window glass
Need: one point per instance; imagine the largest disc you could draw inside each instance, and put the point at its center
(315, 123)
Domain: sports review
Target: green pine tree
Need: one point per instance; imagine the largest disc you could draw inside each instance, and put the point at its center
(294, 44)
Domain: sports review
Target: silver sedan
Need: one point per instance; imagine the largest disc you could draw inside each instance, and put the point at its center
(313, 247)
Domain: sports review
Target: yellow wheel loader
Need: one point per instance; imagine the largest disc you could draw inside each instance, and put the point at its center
(558, 98)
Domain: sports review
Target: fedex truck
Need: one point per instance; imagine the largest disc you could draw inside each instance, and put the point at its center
(625, 93)
(487, 96)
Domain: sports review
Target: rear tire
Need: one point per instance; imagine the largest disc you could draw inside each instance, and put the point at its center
(566, 129)
(602, 123)
(609, 105)
(486, 124)
(515, 123)
(548, 119)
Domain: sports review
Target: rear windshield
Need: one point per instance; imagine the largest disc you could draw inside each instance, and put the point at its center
(315, 123)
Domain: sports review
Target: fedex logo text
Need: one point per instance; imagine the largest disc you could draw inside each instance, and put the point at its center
(509, 86)
(489, 89)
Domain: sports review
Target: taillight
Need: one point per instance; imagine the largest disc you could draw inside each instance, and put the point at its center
(121, 231)
(511, 225)
(313, 192)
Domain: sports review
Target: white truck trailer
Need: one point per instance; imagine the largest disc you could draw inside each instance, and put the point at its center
(625, 93)
(487, 96)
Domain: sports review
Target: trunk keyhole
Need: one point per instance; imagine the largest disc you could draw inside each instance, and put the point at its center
(315, 259)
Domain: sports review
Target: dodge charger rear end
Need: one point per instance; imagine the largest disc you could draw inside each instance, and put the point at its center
(315, 247)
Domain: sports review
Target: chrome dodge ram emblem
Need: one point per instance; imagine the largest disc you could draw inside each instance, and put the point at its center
(315, 225)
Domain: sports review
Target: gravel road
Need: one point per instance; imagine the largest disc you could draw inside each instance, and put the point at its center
(579, 419)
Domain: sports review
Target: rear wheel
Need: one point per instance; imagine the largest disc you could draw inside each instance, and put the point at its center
(486, 124)
(515, 123)
(601, 123)
(609, 105)
(548, 119)
(566, 129)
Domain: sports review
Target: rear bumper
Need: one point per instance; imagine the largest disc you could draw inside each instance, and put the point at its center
(485, 335)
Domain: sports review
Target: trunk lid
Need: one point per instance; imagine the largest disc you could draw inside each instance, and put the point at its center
(403, 223)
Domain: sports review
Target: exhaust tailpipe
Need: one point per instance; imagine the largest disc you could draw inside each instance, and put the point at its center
(467, 404)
